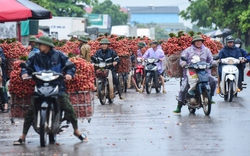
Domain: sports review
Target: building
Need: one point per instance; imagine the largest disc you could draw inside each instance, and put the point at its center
(166, 17)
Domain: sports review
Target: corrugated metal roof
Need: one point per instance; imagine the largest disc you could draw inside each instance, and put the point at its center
(153, 9)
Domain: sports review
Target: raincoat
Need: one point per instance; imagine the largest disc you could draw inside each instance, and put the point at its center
(205, 55)
(158, 54)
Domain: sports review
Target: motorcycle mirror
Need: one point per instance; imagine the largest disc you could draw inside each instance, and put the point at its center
(183, 58)
(23, 65)
(216, 57)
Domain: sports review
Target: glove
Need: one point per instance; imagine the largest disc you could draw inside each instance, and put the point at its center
(183, 64)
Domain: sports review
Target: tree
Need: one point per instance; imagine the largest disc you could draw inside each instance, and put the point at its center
(198, 12)
(232, 14)
(71, 8)
(107, 7)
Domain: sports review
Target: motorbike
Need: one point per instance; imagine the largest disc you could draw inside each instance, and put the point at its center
(48, 116)
(229, 78)
(201, 97)
(153, 79)
(105, 87)
(139, 72)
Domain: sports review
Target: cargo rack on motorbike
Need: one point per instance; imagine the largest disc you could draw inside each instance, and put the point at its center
(83, 104)
(19, 106)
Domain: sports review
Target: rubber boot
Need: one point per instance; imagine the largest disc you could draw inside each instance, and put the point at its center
(119, 92)
(178, 109)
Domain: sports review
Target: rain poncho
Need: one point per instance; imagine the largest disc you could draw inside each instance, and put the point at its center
(158, 54)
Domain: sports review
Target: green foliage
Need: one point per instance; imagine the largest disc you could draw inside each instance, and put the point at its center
(198, 12)
(245, 20)
(107, 7)
(172, 35)
(66, 8)
(232, 14)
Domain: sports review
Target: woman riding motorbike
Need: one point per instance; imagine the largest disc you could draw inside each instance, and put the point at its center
(196, 49)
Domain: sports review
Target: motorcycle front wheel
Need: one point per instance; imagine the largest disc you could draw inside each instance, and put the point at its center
(43, 134)
(149, 83)
(231, 91)
(102, 90)
(139, 79)
(207, 102)
(158, 88)
(52, 138)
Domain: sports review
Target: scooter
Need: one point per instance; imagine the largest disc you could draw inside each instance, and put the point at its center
(105, 86)
(229, 78)
(139, 72)
(48, 115)
(201, 97)
(152, 77)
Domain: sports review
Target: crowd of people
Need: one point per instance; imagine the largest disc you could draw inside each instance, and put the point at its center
(44, 56)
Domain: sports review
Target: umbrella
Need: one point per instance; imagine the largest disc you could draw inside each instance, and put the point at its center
(78, 33)
(222, 33)
(20, 10)
(210, 34)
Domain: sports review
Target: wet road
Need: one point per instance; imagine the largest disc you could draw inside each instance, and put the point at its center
(145, 125)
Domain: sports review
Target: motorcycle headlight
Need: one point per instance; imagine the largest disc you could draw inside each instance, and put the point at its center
(139, 60)
(47, 77)
(102, 64)
(230, 61)
(151, 60)
(202, 66)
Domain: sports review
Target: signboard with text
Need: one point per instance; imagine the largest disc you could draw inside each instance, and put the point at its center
(102, 21)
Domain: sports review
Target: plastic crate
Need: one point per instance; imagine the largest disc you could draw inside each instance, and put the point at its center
(83, 103)
(19, 106)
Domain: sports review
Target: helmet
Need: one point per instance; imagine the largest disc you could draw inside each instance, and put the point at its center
(45, 40)
(238, 41)
(154, 42)
(197, 38)
(229, 39)
(32, 39)
(104, 41)
(83, 39)
(141, 44)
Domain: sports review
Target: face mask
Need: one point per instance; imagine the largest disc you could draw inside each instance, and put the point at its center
(237, 45)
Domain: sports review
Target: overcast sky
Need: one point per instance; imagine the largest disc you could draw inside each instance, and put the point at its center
(182, 4)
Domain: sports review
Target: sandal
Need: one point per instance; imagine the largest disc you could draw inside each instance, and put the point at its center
(6, 110)
(3, 109)
(82, 137)
(19, 142)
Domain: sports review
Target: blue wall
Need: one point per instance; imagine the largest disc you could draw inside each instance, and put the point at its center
(155, 18)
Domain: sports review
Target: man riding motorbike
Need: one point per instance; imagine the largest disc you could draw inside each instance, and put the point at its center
(109, 56)
(230, 50)
(156, 52)
(50, 59)
(196, 49)
(238, 43)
